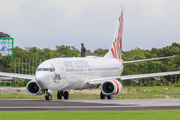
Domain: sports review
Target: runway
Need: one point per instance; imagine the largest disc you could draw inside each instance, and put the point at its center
(89, 105)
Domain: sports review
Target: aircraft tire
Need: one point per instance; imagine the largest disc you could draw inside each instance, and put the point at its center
(66, 95)
(109, 97)
(59, 95)
(48, 97)
(102, 96)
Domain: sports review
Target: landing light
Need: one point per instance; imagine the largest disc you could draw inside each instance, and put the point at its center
(90, 80)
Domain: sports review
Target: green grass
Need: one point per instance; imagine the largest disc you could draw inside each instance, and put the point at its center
(91, 115)
(150, 92)
(128, 92)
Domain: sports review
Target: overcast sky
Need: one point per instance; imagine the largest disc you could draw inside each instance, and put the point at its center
(47, 23)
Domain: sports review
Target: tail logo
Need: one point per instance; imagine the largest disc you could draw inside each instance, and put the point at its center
(117, 43)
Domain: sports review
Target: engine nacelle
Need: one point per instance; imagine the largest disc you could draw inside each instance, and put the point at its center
(33, 88)
(111, 87)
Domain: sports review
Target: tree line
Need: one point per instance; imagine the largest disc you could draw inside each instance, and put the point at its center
(25, 61)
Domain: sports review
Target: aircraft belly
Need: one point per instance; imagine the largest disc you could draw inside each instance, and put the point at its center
(69, 84)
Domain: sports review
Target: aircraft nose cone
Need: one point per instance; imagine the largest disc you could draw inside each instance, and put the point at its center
(41, 78)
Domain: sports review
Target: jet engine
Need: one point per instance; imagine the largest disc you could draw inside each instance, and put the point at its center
(33, 88)
(111, 87)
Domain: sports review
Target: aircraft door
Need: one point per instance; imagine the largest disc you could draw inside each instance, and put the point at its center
(52, 73)
(63, 73)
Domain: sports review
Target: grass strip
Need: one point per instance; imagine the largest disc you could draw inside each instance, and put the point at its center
(91, 115)
(127, 93)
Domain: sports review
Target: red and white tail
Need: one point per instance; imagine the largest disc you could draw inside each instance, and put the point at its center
(116, 47)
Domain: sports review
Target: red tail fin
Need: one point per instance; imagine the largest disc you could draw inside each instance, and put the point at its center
(116, 47)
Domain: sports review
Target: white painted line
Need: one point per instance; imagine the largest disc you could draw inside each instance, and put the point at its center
(56, 107)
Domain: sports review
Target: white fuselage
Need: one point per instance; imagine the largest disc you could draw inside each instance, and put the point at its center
(73, 73)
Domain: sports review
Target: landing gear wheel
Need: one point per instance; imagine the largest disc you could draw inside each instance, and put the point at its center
(59, 95)
(66, 95)
(102, 96)
(109, 97)
(48, 97)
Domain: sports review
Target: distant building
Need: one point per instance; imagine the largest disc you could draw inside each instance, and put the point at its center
(9, 81)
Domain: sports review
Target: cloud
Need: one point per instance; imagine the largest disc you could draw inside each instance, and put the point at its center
(72, 7)
(47, 23)
(9, 7)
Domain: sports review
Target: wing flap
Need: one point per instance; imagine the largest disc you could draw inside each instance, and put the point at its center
(127, 77)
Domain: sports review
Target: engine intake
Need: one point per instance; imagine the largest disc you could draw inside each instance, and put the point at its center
(111, 87)
(33, 88)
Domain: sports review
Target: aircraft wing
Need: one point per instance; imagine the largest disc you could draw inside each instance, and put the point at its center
(143, 60)
(127, 77)
(22, 76)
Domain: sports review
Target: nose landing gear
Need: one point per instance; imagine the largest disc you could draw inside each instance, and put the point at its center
(62, 93)
(48, 97)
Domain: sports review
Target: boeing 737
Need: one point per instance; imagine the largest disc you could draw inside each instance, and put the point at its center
(64, 74)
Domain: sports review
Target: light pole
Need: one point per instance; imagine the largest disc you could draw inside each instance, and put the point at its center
(132, 60)
(132, 68)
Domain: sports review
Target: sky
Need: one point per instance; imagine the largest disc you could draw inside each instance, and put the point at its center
(47, 23)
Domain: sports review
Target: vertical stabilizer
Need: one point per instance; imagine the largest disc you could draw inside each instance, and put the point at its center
(116, 47)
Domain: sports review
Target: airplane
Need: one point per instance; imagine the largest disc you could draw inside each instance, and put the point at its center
(79, 73)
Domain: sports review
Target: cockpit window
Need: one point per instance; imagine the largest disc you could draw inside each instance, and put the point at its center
(46, 69)
(52, 69)
(39, 69)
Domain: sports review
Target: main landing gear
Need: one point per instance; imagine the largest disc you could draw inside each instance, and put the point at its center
(103, 96)
(48, 96)
(62, 93)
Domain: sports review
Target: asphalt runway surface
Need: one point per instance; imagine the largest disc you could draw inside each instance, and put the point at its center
(89, 105)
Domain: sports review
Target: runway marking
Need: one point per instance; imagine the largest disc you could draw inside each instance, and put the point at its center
(67, 107)
(29, 107)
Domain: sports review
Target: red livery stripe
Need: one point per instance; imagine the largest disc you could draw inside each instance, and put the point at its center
(117, 43)
(116, 85)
